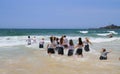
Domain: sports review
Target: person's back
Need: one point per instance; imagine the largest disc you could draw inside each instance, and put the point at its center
(65, 42)
(61, 48)
(29, 40)
(86, 43)
(103, 54)
(50, 47)
(79, 47)
(41, 43)
(71, 48)
(34, 39)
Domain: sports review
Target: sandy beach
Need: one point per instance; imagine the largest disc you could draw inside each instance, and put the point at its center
(59, 36)
(16, 57)
(27, 60)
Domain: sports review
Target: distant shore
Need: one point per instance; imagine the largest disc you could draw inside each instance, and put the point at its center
(112, 26)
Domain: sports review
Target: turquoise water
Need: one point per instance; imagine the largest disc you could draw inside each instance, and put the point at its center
(11, 37)
(59, 32)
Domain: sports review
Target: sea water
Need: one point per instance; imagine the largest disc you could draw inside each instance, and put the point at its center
(16, 57)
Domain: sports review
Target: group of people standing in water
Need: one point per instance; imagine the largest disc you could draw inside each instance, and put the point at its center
(33, 40)
(60, 44)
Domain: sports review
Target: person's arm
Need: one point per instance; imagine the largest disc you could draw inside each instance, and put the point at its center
(43, 41)
(82, 45)
(89, 42)
(110, 51)
(47, 45)
(75, 46)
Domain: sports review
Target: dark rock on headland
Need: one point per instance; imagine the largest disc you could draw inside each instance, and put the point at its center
(112, 26)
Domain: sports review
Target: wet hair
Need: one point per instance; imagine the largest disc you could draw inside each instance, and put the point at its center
(71, 42)
(61, 40)
(104, 50)
(51, 39)
(87, 39)
(28, 36)
(80, 41)
(54, 38)
(57, 39)
(64, 36)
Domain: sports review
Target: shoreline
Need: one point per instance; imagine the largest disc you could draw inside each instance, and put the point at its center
(38, 62)
(32, 60)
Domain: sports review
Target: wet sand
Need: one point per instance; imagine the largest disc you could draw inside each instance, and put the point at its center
(38, 62)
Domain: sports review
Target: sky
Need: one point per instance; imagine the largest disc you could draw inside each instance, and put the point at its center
(45, 14)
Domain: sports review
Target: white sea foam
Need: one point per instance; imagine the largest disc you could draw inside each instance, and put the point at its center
(21, 40)
(113, 32)
(108, 33)
(98, 40)
(94, 39)
(11, 41)
(84, 32)
(17, 40)
(103, 34)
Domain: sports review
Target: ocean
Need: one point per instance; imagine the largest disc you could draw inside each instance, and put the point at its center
(10, 37)
(16, 57)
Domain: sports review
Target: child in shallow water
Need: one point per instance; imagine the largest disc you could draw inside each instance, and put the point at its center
(41, 43)
(104, 54)
(71, 48)
(86, 43)
(28, 40)
(79, 47)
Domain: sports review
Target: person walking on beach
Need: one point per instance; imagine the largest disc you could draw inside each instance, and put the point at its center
(41, 43)
(28, 40)
(103, 55)
(79, 47)
(86, 43)
(50, 47)
(70, 48)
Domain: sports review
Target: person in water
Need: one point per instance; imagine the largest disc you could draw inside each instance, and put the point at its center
(65, 42)
(50, 47)
(110, 35)
(34, 40)
(70, 48)
(28, 40)
(79, 47)
(103, 55)
(61, 47)
(41, 43)
(57, 44)
(86, 43)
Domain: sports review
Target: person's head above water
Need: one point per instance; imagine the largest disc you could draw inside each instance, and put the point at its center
(28, 36)
(103, 49)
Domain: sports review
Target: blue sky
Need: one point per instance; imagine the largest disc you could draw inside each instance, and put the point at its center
(59, 13)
